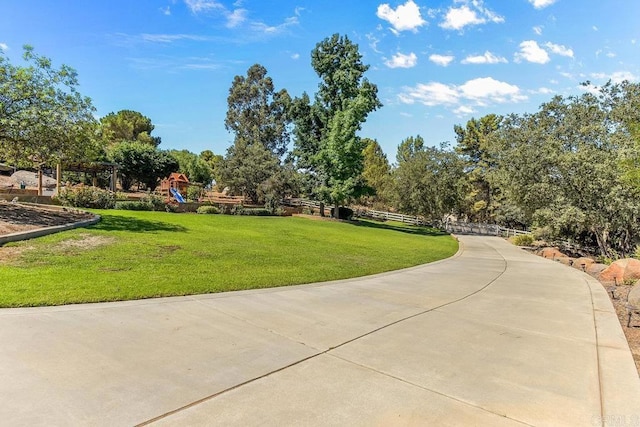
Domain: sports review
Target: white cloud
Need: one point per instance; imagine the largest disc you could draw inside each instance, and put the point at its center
(170, 38)
(400, 60)
(488, 89)
(373, 42)
(405, 17)
(486, 58)
(295, 56)
(3, 46)
(166, 10)
(539, 4)
(260, 27)
(442, 60)
(197, 6)
(430, 94)
(480, 92)
(620, 76)
(543, 91)
(538, 29)
(531, 52)
(559, 49)
(472, 12)
(463, 110)
(236, 18)
(458, 18)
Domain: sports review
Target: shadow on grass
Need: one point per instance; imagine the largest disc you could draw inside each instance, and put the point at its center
(135, 225)
(410, 229)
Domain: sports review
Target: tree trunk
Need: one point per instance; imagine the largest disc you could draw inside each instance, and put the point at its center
(336, 210)
(601, 238)
(321, 209)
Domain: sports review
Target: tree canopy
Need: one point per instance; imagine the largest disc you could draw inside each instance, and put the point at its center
(326, 140)
(128, 125)
(43, 117)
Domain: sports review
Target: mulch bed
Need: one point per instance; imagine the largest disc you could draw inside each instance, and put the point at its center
(16, 217)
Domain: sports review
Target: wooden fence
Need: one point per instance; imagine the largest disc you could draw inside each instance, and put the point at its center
(363, 212)
(484, 229)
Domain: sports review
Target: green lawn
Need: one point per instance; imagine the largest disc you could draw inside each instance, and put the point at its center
(131, 255)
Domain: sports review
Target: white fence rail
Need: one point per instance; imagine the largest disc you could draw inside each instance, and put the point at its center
(484, 229)
(364, 213)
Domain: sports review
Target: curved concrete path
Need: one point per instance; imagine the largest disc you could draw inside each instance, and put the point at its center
(493, 336)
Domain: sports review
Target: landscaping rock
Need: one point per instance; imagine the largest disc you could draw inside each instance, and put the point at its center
(596, 269)
(565, 260)
(551, 253)
(583, 263)
(622, 270)
(634, 295)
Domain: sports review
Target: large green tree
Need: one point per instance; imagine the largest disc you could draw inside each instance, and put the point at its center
(246, 168)
(196, 168)
(128, 125)
(257, 116)
(141, 163)
(376, 173)
(257, 113)
(326, 142)
(562, 166)
(43, 117)
(428, 180)
(473, 144)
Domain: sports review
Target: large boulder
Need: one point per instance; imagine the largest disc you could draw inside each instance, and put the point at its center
(565, 260)
(551, 253)
(621, 271)
(583, 263)
(634, 295)
(596, 269)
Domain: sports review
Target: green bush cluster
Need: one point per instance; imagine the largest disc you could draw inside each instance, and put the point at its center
(208, 210)
(134, 206)
(256, 212)
(523, 240)
(241, 210)
(87, 197)
(157, 202)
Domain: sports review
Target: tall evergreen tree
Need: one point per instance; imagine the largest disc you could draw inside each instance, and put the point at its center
(326, 140)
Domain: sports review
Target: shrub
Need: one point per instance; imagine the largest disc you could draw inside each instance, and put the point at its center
(523, 240)
(308, 210)
(157, 202)
(134, 206)
(256, 212)
(344, 212)
(193, 193)
(237, 210)
(87, 197)
(208, 210)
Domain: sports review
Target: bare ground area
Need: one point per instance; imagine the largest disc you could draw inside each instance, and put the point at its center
(15, 217)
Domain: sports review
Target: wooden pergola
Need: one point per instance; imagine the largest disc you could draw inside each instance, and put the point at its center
(85, 167)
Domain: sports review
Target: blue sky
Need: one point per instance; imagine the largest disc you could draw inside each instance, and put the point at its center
(436, 63)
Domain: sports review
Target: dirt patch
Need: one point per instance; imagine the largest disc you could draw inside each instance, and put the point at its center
(10, 254)
(85, 241)
(16, 217)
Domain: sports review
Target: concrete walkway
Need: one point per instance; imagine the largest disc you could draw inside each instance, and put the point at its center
(493, 336)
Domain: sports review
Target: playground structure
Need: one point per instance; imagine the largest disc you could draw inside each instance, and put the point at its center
(174, 186)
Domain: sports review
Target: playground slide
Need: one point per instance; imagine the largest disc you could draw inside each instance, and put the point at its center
(176, 194)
